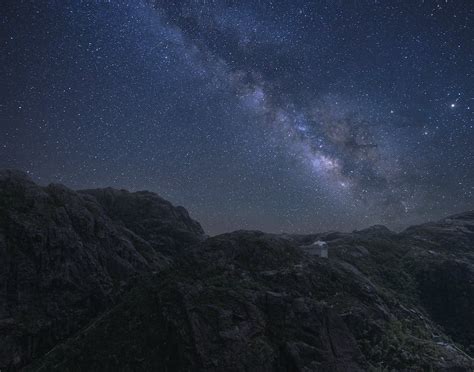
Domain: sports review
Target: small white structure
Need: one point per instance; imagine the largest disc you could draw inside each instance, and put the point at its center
(318, 248)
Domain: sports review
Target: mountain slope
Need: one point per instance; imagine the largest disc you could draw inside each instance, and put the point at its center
(249, 300)
(63, 260)
(111, 280)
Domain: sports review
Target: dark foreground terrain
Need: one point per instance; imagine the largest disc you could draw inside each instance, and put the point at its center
(108, 280)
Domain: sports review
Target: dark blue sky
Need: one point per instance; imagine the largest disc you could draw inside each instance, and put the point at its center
(295, 116)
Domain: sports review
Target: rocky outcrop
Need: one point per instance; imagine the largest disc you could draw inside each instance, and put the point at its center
(255, 301)
(444, 269)
(63, 260)
(241, 301)
(167, 228)
(111, 280)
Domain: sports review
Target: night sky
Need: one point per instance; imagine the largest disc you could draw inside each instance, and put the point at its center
(296, 116)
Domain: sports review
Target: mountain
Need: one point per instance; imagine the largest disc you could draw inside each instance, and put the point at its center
(67, 256)
(111, 280)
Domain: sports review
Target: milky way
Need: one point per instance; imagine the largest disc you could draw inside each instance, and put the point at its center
(293, 116)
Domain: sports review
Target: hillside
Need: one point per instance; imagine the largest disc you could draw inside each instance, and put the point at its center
(112, 280)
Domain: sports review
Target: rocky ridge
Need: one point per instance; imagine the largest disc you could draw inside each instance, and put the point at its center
(65, 257)
(111, 280)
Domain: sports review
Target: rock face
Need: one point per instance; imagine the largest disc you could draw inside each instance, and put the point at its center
(112, 280)
(240, 301)
(166, 227)
(63, 259)
(445, 273)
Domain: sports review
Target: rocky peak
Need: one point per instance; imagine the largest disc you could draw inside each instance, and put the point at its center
(168, 228)
(65, 256)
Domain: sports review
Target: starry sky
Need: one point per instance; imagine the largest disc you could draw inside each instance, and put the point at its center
(284, 116)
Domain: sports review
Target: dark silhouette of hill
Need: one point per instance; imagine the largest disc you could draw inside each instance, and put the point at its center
(111, 280)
